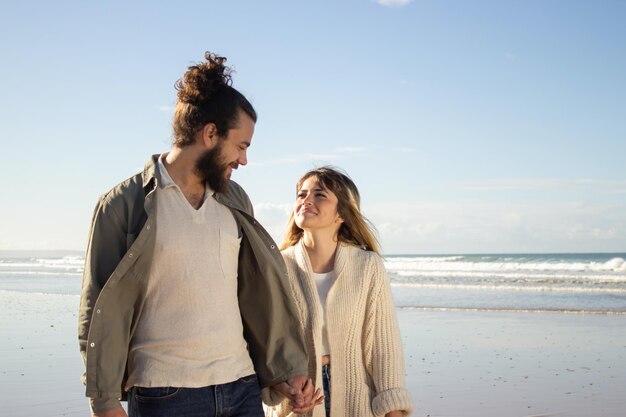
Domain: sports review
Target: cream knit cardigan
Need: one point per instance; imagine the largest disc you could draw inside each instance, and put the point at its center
(367, 365)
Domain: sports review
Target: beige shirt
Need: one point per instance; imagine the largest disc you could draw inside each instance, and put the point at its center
(190, 333)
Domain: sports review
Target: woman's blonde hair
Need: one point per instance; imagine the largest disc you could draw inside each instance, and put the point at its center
(356, 229)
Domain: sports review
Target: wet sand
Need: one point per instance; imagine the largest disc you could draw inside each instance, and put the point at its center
(511, 364)
(458, 363)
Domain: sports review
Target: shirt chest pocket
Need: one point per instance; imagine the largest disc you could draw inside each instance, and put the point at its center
(229, 254)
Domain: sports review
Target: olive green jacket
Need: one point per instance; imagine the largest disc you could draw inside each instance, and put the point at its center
(117, 265)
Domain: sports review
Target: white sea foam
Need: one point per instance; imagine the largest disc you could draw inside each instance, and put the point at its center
(515, 310)
(504, 287)
(41, 265)
(40, 273)
(617, 265)
(529, 276)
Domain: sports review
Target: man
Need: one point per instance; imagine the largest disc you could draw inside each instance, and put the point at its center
(185, 306)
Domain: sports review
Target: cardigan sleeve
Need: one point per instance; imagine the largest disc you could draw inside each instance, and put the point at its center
(276, 404)
(384, 354)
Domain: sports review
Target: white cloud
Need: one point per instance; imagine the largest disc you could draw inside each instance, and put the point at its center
(351, 150)
(166, 109)
(273, 217)
(393, 3)
(336, 155)
(484, 227)
(539, 183)
(293, 160)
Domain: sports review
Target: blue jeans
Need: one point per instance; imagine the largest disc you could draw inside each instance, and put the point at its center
(240, 398)
(326, 384)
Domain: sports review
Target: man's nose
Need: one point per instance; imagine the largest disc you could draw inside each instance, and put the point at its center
(243, 158)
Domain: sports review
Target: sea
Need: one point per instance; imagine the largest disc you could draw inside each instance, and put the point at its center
(593, 283)
(560, 282)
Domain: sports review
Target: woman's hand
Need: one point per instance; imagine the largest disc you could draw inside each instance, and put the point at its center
(394, 414)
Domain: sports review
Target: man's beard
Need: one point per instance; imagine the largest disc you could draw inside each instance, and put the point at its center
(210, 168)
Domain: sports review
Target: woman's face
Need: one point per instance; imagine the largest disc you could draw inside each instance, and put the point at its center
(316, 207)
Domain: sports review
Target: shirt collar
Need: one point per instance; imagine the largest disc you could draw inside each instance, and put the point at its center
(164, 179)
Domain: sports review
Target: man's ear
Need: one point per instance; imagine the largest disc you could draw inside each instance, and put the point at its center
(209, 135)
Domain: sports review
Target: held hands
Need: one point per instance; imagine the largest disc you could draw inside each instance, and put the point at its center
(301, 393)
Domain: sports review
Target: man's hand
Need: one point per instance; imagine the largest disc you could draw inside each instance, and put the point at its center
(310, 396)
(301, 393)
(115, 412)
(394, 414)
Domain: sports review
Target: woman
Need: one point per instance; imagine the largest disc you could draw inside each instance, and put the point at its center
(340, 287)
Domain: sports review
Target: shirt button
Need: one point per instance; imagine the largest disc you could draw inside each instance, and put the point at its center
(148, 227)
(98, 311)
(92, 344)
(130, 255)
(272, 247)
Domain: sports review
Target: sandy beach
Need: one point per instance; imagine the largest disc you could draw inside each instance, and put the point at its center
(509, 364)
(459, 363)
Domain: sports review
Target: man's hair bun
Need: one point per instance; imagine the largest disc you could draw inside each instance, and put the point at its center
(203, 80)
(205, 95)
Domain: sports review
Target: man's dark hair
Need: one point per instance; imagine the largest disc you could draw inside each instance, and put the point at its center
(205, 96)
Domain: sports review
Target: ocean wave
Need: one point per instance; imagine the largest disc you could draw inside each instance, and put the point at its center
(41, 273)
(514, 310)
(508, 287)
(38, 265)
(530, 276)
(617, 265)
(424, 259)
(40, 293)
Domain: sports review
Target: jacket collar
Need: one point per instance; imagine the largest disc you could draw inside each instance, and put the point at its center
(149, 174)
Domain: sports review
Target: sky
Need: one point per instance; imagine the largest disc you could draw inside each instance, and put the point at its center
(468, 126)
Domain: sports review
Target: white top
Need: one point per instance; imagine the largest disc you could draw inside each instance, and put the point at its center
(190, 332)
(323, 282)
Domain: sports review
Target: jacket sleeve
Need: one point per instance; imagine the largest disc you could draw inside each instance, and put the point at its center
(106, 246)
(384, 353)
